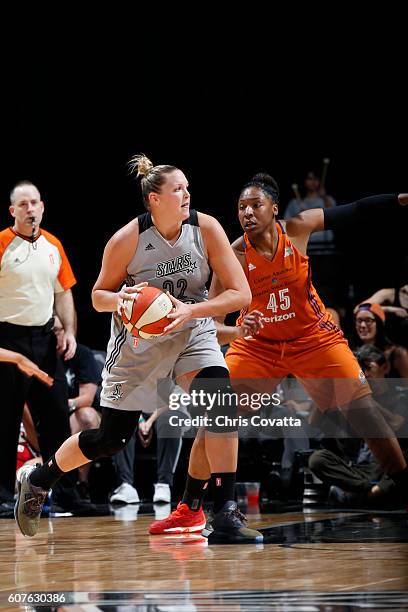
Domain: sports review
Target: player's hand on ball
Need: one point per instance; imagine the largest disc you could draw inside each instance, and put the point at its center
(251, 324)
(128, 293)
(181, 314)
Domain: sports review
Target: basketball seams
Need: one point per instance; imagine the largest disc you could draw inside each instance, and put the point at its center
(161, 302)
(147, 316)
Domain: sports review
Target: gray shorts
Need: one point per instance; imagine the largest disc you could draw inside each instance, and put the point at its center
(133, 369)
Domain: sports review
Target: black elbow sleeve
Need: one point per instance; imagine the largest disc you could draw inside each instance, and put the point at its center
(367, 209)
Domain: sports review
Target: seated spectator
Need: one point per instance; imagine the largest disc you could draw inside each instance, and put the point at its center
(394, 302)
(83, 377)
(388, 393)
(316, 197)
(356, 477)
(326, 261)
(369, 329)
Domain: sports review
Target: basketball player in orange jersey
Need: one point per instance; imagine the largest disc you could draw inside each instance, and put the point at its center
(292, 331)
(169, 247)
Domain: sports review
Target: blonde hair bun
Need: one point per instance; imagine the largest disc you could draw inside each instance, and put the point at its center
(141, 164)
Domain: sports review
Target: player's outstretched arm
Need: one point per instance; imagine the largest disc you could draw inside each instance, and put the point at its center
(342, 217)
(361, 211)
(25, 365)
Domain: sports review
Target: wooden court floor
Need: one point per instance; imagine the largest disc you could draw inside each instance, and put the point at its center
(93, 556)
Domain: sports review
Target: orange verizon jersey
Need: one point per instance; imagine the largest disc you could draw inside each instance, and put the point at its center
(282, 290)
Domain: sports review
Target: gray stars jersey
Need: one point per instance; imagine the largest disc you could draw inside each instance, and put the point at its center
(134, 366)
(181, 269)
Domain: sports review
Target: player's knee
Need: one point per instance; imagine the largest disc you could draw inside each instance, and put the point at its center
(218, 401)
(94, 444)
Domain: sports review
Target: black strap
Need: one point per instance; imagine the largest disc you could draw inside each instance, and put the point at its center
(193, 218)
(145, 221)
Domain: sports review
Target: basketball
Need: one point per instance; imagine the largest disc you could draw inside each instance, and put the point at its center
(146, 317)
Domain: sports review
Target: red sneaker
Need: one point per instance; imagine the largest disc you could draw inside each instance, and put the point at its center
(181, 520)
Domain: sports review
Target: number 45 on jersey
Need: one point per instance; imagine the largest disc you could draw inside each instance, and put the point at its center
(283, 298)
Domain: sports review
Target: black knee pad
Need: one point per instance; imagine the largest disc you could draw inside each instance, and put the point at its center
(94, 445)
(216, 399)
(115, 431)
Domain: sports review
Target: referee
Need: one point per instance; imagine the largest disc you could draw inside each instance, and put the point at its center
(35, 279)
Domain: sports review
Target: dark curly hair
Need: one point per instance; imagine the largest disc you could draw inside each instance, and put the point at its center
(265, 182)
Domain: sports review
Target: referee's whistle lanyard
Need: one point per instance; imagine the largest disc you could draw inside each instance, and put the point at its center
(31, 239)
(33, 234)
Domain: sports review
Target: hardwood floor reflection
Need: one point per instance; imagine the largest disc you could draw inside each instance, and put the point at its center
(100, 554)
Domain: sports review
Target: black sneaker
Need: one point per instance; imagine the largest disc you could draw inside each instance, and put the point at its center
(208, 525)
(229, 527)
(83, 490)
(30, 500)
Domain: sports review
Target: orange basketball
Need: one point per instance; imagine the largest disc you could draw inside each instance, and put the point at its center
(146, 317)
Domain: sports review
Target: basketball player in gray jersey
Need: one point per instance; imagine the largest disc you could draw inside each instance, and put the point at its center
(182, 270)
(172, 248)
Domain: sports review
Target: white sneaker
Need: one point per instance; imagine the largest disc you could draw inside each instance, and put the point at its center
(125, 494)
(161, 493)
(126, 513)
(161, 511)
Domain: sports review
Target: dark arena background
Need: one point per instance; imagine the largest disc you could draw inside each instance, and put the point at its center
(70, 128)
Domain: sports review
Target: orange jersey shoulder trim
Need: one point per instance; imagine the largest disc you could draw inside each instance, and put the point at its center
(6, 237)
(65, 275)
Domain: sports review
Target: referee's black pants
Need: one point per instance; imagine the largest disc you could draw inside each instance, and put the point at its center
(48, 406)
